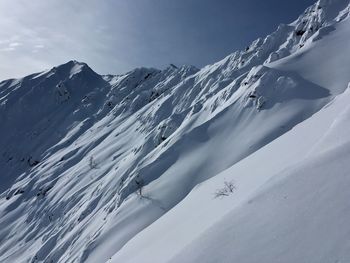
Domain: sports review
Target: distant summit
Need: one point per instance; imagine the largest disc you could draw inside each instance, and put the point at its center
(173, 66)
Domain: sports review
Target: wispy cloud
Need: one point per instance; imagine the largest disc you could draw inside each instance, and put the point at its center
(116, 35)
(40, 32)
(39, 46)
(7, 49)
(15, 44)
(7, 46)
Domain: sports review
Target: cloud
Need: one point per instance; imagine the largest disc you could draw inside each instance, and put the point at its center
(7, 49)
(15, 44)
(9, 46)
(39, 46)
(51, 32)
(114, 36)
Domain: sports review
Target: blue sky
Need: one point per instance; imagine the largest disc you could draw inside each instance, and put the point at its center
(114, 36)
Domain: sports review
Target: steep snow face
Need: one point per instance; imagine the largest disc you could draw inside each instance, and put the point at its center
(88, 161)
(335, 72)
(316, 19)
(293, 207)
(64, 133)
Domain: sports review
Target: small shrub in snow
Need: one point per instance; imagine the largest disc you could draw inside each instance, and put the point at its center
(260, 103)
(228, 189)
(139, 183)
(92, 163)
(300, 32)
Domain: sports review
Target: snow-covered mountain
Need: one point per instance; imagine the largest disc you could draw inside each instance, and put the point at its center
(245, 160)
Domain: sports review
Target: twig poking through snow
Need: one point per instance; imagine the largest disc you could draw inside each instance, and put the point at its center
(228, 189)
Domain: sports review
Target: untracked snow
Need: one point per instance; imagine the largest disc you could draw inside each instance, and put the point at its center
(128, 168)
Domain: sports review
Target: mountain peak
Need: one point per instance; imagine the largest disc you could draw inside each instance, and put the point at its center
(73, 67)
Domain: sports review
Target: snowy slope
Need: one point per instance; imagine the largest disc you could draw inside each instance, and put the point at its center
(291, 207)
(124, 167)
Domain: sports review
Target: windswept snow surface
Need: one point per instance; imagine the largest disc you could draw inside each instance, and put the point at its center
(291, 204)
(124, 168)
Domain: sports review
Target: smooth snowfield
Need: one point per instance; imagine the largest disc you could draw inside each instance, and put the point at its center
(291, 204)
(124, 168)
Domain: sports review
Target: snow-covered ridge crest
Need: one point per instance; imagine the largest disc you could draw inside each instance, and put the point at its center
(87, 162)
